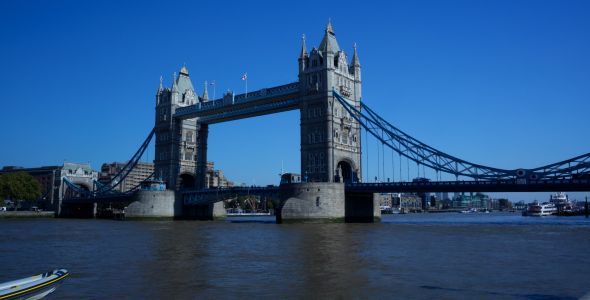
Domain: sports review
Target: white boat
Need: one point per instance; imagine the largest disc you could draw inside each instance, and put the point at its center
(34, 287)
(559, 199)
(539, 210)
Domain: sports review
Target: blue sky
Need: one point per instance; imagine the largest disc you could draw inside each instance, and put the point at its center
(499, 83)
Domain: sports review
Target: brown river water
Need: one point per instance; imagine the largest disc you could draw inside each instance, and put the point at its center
(415, 256)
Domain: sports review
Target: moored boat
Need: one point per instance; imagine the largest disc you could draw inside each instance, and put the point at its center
(540, 210)
(34, 287)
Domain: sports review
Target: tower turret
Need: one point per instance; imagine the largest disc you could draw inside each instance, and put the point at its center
(174, 91)
(159, 92)
(205, 97)
(303, 57)
(355, 66)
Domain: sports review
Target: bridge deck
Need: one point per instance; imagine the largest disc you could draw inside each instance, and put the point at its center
(565, 185)
(256, 103)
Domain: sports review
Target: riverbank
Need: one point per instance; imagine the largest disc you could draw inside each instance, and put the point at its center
(26, 214)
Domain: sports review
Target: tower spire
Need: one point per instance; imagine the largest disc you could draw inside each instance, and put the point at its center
(303, 49)
(355, 59)
(174, 85)
(160, 87)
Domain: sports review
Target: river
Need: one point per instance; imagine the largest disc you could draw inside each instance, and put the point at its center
(415, 256)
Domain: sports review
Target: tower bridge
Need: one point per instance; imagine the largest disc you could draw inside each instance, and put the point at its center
(328, 96)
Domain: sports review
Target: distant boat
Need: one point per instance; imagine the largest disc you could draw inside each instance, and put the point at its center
(34, 287)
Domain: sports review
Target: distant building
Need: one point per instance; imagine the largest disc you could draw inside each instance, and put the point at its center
(478, 200)
(138, 174)
(215, 178)
(386, 200)
(410, 202)
(46, 176)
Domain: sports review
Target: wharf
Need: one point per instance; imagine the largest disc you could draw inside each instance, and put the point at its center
(26, 214)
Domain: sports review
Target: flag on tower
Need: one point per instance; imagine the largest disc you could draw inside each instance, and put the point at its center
(244, 77)
(212, 83)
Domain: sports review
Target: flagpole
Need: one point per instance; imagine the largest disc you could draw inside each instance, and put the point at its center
(214, 89)
(246, 85)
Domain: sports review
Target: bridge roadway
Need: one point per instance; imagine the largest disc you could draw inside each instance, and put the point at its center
(208, 196)
(262, 102)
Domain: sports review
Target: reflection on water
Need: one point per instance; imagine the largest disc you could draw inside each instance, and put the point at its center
(421, 256)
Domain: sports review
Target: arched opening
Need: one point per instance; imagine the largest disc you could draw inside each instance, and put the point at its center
(345, 171)
(187, 181)
(71, 194)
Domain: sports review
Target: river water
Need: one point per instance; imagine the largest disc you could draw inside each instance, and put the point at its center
(414, 256)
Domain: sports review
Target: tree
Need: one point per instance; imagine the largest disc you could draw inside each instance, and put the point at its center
(19, 186)
(272, 203)
(504, 203)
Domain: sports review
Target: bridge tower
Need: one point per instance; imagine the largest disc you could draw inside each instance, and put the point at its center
(330, 138)
(176, 140)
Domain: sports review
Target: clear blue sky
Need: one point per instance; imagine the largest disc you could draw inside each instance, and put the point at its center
(498, 83)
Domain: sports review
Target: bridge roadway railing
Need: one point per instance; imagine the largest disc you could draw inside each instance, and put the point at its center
(200, 108)
(520, 185)
(209, 196)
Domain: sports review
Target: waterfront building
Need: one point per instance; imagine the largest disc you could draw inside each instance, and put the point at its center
(478, 200)
(138, 174)
(385, 200)
(410, 202)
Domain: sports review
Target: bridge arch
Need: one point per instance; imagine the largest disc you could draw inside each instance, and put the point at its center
(69, 193)
(187, 180)
(345, 168)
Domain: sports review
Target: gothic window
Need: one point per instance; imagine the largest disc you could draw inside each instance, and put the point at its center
(321, 61)
(309, 113)
(336, 112)
(315, 112)
(343, 112)
(321, 112)
(322, 156)
(344, 138)
(314, 63)
(189, 136)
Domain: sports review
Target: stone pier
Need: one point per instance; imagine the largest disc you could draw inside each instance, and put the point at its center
(154, 205)
(323, 202)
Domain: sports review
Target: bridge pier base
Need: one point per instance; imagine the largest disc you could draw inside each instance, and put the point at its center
(57, 207)
(214, 211)
(154, 205)
(323, 202)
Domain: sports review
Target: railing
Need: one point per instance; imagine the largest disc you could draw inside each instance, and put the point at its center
(249, 109)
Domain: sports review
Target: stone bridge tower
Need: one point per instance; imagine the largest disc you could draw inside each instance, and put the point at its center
(330, 138)
(177, 146)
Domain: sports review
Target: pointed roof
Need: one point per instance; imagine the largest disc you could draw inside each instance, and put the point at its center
(183, 71)
(329, 41)
(205, 94)
(355, 59)
(160, 87)
(303, 48)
